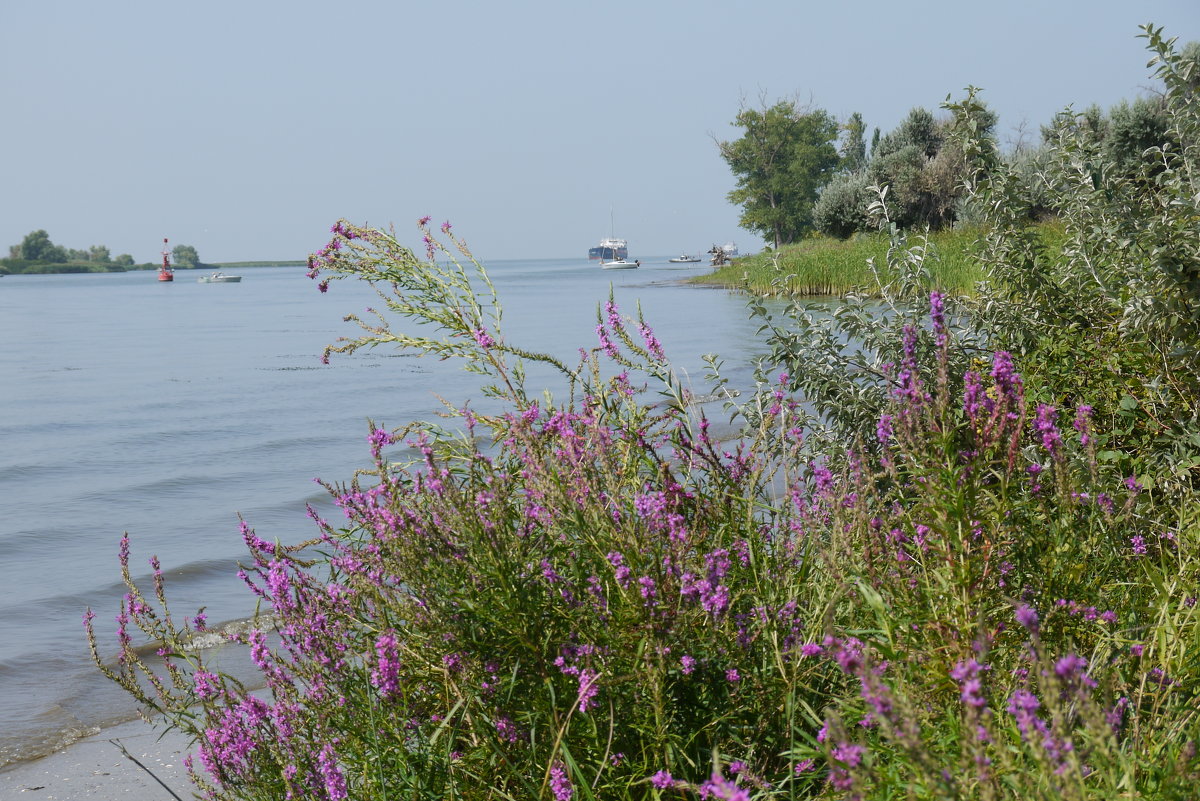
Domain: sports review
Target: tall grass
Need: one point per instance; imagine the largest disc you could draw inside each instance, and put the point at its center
(827, 266)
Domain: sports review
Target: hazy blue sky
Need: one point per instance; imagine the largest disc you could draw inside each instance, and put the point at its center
(247, 128)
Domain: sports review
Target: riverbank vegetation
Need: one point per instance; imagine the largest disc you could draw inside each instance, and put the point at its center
(38, 255)
(823, 265)
(954, 554)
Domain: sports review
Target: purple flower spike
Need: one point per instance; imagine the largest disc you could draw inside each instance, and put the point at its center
(560, 785)
(663, 780)
(1027, 616)
(1045, 424)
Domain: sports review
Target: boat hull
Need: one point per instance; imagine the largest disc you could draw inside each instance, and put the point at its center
(219, 279)
(608, 253)
(610, 249)
(620, 264)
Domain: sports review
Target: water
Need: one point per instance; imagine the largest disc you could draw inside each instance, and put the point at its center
(166, 410)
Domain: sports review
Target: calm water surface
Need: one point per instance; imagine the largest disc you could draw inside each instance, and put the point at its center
(166, 410)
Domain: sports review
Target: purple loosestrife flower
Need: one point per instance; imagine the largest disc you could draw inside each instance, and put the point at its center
(975, 400)
(606, 344)
(560, 785)
(1083, 418)
(663, 780)
(649, 589)
(587, 689)
(335, 782)
(1116, 716)
(1023, 706)
(1139, 545)
(507, 730)
(849, 756)
(718, 787)
(385, 676)
(379, 438)
(1071, 669)
(937, 313)
(1045, 424)
(1027, 616)
(966, 673)
(883, 429)
(909, 392)
(714, 600)
(688, 664)
(1008, 381)
(207, 684)
(482, 338)
(652, 344)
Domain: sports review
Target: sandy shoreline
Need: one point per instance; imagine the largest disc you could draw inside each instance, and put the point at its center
(132, 760)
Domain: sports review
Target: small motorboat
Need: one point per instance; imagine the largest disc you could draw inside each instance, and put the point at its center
(620, 264)
(219, 278)
(685, 259)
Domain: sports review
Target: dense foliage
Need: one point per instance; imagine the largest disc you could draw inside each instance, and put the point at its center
(962, 568)
(922, 168)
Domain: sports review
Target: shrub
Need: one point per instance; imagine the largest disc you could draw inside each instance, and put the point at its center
(841, 208)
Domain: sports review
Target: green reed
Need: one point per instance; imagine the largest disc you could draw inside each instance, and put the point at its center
(833, 267)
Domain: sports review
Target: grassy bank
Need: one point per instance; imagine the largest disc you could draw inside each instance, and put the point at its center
(825, 266)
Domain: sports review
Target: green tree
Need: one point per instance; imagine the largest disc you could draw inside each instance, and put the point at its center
(99, 254)
(918, 130)
(185, 256)
(854, 143)
(783, 158)
(124, 260)
(36, 246)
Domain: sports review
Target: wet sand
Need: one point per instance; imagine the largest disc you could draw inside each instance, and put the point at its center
(132, 761)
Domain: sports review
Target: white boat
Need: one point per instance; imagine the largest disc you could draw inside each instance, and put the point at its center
(219, 278)
(685, 259)
(620, 264)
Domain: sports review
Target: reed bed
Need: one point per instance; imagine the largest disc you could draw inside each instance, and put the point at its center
(826, 266)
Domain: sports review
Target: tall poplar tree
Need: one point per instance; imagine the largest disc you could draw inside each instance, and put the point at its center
(783, 158)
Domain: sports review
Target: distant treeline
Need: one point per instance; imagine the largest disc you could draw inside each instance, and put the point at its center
(29, 267)
(37, 254)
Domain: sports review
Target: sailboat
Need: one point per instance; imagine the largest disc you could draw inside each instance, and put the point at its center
(165, 273)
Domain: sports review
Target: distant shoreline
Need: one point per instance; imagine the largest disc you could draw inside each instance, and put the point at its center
(86, 268)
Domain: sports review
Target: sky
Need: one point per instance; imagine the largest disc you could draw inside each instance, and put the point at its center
(246, 129)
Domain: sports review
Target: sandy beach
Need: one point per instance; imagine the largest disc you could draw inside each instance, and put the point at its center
(130, 761)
